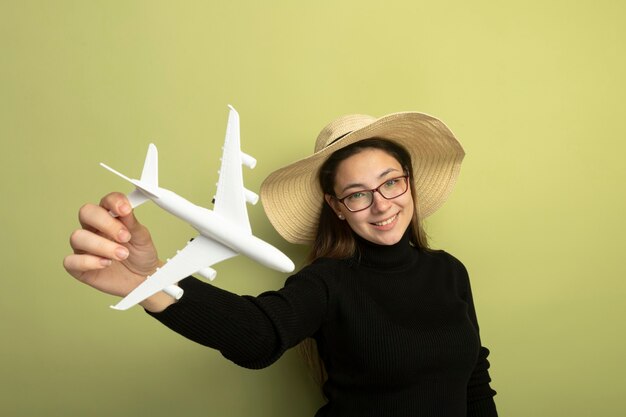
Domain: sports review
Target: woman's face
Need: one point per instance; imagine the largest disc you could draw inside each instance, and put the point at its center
(385, 221)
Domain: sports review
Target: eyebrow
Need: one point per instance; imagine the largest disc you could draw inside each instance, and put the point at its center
(362, 186)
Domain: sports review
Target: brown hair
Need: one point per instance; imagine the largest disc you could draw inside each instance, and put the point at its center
(335, 239)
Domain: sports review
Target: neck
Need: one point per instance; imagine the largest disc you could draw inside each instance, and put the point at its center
(378, 256)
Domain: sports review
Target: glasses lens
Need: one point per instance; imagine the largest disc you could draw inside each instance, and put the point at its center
(393, 188)
(358, 201)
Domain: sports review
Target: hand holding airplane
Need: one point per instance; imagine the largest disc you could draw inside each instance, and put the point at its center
(223, 232)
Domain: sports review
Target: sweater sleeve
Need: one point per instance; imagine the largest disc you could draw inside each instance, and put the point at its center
(253, 332)
(480, 401)
(480, 395)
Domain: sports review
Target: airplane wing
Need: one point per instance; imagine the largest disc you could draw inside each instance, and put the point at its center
(231, 195)
(200, 253)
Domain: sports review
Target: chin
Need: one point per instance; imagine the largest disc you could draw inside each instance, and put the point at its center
(387, 239)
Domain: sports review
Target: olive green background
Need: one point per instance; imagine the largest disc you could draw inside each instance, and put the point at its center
(534, 90)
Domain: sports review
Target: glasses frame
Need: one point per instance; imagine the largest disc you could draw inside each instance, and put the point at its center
(375, 190)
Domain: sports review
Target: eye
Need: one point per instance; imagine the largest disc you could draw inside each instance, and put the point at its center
(391, 183)
(357, 196)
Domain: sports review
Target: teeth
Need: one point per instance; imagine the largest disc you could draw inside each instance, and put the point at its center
(383, 223)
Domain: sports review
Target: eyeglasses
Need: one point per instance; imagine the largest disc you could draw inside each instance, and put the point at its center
(360, 200)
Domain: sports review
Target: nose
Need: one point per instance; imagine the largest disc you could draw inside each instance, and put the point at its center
(379, 203)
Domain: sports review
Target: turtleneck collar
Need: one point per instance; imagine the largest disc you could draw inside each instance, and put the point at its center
(396, 256)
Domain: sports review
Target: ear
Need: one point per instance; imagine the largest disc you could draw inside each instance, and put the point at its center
(334, 204)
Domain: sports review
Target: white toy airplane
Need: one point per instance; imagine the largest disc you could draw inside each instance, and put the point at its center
(224, 231)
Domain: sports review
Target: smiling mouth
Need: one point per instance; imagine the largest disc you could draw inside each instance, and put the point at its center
(386, 222)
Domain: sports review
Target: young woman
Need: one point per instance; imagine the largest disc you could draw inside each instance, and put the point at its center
(393, 322)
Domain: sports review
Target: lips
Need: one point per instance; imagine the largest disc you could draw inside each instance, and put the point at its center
(386, 222)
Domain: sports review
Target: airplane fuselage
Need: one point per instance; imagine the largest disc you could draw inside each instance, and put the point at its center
(212, 225)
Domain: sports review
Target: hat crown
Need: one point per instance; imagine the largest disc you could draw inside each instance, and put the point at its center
(341, 127)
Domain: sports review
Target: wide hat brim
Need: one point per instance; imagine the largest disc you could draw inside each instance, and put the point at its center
(292, 197)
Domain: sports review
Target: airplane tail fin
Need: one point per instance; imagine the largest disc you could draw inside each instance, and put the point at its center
(150, 173)
(148, 185)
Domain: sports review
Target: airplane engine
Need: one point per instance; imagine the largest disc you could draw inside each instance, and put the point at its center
(208, 273)
(248, 160)
(251, 196)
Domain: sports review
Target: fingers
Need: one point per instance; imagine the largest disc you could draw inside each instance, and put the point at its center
(119, 206)
(87, 242)
(76, 265)
(105, 236)
(101, 218)
(98, 220)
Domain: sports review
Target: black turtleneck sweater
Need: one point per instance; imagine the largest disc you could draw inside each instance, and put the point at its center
(395, 326)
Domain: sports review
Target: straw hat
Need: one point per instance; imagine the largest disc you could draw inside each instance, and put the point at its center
(292, 197)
